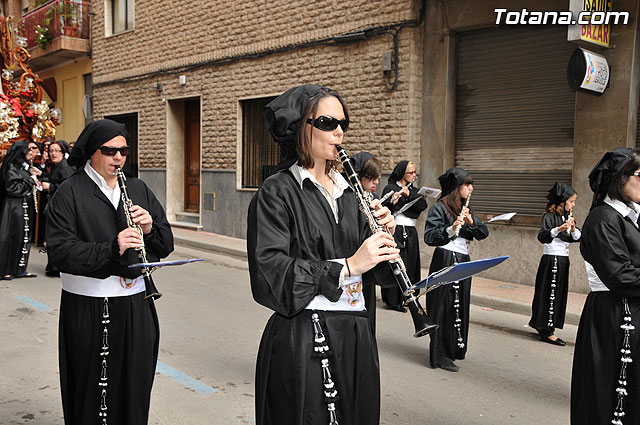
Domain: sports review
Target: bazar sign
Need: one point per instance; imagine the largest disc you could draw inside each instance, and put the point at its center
(594, 32)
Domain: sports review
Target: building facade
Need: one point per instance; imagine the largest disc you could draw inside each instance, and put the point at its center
(438, 83)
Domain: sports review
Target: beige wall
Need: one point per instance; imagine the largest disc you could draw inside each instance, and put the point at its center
(70, 93)
(383, 122)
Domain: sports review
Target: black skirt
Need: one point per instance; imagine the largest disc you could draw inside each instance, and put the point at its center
(597, 364)
(550, 303)
(289, 381)
(133, 337)
(448, 341)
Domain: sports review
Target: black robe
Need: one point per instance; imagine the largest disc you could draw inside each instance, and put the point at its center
(547, 310)
(16, 215)
(59, 173)
(611, 244)
(82, 240)
(291, 235)
(440, 302)
(406, 238)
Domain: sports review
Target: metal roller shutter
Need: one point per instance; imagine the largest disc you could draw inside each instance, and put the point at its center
(514, 116)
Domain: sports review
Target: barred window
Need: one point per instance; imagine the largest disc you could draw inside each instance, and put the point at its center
(260, 153)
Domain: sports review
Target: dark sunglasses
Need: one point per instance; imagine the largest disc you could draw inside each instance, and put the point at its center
(111, 151)
(326, 123)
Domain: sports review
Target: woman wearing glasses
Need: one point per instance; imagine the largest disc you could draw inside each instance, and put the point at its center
(60, 171)
(309, 250)
(16, 210)
(401, 184)
(450, 228)
(606, 376)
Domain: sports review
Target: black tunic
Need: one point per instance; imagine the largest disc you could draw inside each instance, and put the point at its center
(59, 173)
(13, 221)
(440, 302)
(82, 240)
(549, 304)
(406, 238)
(611, 244)
(291, 235)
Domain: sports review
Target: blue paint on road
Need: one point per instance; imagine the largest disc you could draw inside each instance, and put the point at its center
(33, 303)
(183, 379)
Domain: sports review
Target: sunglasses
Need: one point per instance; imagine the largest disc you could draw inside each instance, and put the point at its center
(34, 148)
(111, 151)
(326, 123)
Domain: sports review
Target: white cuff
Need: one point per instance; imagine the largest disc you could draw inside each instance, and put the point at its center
(450, 231)
(341, 283)
(554, 232)
(576, 234)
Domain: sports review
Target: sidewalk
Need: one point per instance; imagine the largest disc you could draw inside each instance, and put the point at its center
(490, 293)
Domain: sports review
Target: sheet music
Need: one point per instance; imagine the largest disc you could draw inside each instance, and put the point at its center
(505, 217)
(429, 191)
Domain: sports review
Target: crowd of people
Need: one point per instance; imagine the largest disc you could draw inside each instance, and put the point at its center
(315, 256)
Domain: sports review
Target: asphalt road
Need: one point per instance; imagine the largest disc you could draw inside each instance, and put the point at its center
(210, 332)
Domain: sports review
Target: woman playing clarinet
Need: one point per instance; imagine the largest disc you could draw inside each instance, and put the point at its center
(557, 231)
(451, 226)
(406, 236)
(605, 381)
(309, 249)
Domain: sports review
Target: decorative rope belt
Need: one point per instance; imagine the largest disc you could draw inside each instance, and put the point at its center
(456, 306)
(552, 296)
(102, 383)
(621, 391)
(25, 240)
(321, 350)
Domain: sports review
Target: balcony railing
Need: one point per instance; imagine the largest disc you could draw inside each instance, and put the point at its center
(61, 18)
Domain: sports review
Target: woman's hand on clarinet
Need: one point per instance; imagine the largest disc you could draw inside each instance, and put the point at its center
(383, 215)
(375, 249)
(129, 238)
(466, 214)
(458, 223)
(142, 218)
(565, 226)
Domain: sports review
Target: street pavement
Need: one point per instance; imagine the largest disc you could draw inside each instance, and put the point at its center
(210, 332)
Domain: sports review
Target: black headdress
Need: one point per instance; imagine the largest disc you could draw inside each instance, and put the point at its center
(398, 172)
(16, 155)
(358, 160)
(559, 193)
(610, 165)
(451, 180)
(94, 135)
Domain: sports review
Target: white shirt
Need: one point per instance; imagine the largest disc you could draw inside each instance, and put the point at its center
(352, 298)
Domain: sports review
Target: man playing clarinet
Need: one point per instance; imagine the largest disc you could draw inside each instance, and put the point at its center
(109, 333)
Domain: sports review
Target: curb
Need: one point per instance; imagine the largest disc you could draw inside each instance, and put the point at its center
(239, 253)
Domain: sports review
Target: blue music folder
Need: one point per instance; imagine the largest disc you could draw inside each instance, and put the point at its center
(165, 263)
(458, 272)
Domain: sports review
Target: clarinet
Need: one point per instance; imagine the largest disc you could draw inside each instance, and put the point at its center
(421, 320)
(150, 291)
(466, 205)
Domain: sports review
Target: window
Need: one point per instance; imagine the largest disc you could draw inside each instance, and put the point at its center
(260, 153)
(119, 16)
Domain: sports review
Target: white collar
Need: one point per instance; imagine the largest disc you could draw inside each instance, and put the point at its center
(300, 174)
(623, 209)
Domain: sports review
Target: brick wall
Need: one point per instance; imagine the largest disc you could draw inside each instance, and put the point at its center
(384, 122)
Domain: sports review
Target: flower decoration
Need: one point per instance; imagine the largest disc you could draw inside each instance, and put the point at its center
(43, 37)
